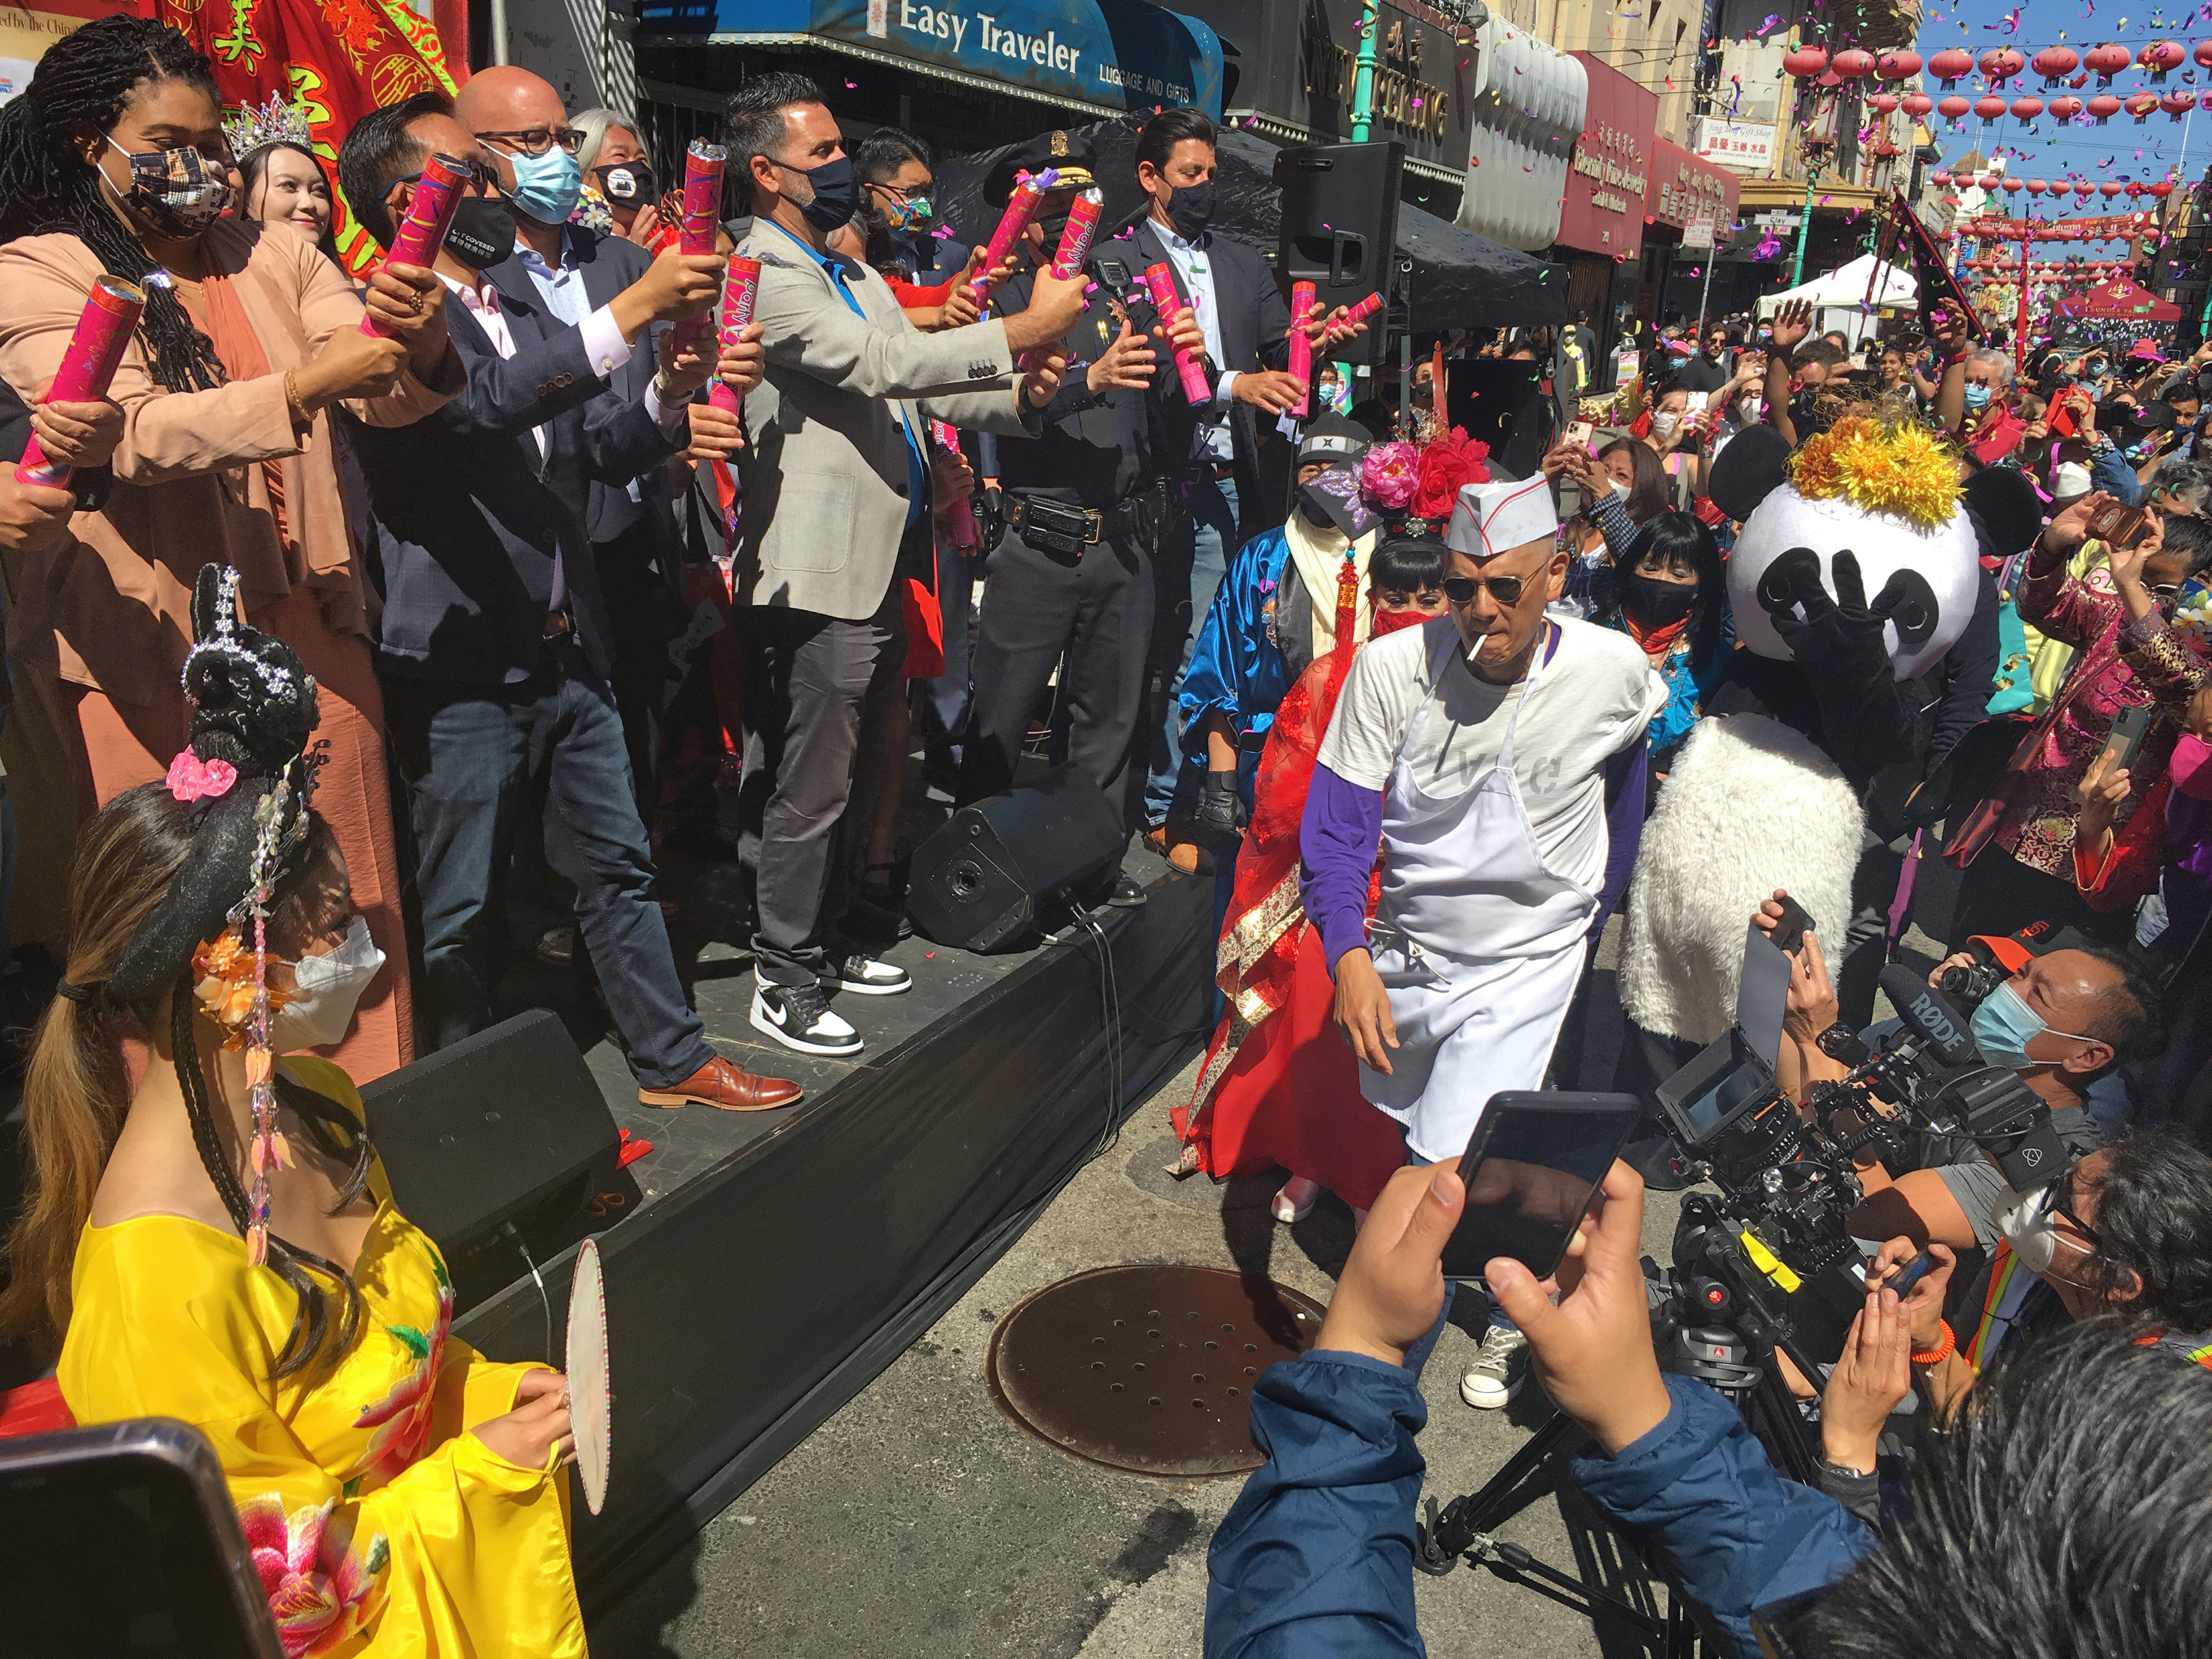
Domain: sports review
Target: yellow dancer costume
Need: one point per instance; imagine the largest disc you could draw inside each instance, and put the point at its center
(379, 1525)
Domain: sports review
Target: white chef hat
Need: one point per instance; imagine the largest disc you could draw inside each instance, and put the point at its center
(1489, 518)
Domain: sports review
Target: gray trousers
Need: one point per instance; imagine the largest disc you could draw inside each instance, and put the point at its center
(808, 680)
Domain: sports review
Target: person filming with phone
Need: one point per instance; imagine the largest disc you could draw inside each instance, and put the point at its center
(1315, 1556)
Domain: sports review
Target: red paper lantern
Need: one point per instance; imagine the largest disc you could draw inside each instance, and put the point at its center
(2110, 188)
(1898, 65)
(1855, 65)
(2037, 186)
(1939, 177)
(1953, 109)
(1917, 105)
(2143, 105)
(1993, 107)
(2013, 186)
(1882, 103)
(2065, 109)
(2107, 60)
(1806, 62)
(1953, 65)
(2054, 63)
(2000, 63)
(2177, 104)
(2083, 189)
(2160, 57)
(2027, 109)
(2162, 189)
(2104, 106)
(2135, 190)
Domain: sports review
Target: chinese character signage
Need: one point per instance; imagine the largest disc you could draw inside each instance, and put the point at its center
(1611, 169)
(1685, 189)
(1742, 147)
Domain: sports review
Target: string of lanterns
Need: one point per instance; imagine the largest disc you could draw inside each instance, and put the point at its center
(2059, 66)
(2081, 189)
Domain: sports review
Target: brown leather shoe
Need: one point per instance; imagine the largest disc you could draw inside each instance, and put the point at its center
(718, 1082)
(1172, 842)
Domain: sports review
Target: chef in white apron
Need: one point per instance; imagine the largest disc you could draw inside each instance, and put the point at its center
(1491, 734)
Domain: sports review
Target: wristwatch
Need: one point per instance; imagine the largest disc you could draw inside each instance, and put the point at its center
(1843, 1471)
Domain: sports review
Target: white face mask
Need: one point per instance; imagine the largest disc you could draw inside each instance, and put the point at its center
(1748, 409)
(2027, 1226)
(331, 986)
(1665, 426)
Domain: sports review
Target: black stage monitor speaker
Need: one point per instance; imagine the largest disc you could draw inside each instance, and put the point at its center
(506, 1127)
(1340, 230)
(979, 882)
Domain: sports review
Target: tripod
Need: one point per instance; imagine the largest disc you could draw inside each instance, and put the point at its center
(1736, 1361)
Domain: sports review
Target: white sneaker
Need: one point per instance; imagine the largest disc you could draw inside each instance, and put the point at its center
(1295, 1199)
(859, 972)
(1494, 1375)
(799, 1018)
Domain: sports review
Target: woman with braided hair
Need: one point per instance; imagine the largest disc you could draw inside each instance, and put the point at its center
(246, 1274)
(112, 160)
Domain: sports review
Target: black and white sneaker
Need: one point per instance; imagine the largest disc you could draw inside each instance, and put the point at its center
(798, 1016)
(861, 973)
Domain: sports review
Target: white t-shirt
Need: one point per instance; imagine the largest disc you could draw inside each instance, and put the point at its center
(1592, 700)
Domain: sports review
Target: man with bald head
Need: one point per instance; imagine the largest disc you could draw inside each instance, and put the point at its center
(1497, 755)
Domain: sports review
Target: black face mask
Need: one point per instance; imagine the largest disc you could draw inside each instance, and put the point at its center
(1054, 229)
(1191, 209)
(483, 231)
(627, 183)
(836, 194)
(1656, 602)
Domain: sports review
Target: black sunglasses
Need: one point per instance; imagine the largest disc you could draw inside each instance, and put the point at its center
(1506, 590)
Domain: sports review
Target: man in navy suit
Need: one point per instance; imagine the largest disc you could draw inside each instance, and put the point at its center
(494, 642)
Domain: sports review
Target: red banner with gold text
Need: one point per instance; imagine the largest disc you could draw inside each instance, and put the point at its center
(336, 60)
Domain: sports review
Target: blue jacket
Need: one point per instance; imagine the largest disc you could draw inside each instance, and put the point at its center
(1316, 1556)
(470, 512)
(1236, 668)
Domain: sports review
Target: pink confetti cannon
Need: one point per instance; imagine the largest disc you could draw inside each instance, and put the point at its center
(962, 513)
(1302, 301)
(1366, 308)
(702, 214)
(430, 215)
(103, 328)
(1161, 281)
(1021, 207)
(1075, 241)
(739, 286)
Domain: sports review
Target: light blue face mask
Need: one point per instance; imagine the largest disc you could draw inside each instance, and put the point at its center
(546, 187)
(2004, 1025)
(1977, 397)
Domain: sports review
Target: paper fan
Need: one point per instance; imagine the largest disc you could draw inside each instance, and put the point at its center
(591, 1401)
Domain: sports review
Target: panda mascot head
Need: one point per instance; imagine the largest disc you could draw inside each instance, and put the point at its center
(1864, 516)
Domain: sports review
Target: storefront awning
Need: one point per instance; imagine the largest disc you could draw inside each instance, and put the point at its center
(1101, 56)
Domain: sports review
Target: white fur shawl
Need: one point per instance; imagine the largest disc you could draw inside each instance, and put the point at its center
(1749, 806)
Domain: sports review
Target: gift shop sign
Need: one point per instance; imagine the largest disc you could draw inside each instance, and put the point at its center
(1603, 208)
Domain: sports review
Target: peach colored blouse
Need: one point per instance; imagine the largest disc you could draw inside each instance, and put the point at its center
(114, 610)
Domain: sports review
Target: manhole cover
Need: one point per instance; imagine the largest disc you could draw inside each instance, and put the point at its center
(1148, 1368)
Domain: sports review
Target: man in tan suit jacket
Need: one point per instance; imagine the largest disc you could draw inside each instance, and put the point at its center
(835, 480)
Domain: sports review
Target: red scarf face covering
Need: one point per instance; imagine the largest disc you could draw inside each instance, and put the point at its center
(1656, 641)
(1389, 622)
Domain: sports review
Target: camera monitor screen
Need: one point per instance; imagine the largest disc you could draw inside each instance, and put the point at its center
(1531, 1168)
(1710, 1094)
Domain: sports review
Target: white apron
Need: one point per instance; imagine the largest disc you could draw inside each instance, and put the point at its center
(1479, 944)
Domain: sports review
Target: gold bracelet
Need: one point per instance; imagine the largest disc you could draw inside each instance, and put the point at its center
(300, 419)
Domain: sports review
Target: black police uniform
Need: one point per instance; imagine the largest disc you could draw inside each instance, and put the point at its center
(1074, 576)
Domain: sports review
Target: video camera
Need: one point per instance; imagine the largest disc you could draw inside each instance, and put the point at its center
(1774, 1251)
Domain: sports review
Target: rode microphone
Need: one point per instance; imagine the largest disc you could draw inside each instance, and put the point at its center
(1929, 1016)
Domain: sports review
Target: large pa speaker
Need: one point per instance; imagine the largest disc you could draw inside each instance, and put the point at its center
(981, 880)
(1339, 229)
(505, 1128)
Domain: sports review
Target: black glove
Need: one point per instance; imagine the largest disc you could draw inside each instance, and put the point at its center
(1220, 816)
(1839, 645)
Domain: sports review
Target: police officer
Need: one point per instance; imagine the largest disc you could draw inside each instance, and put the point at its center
(1074, 577)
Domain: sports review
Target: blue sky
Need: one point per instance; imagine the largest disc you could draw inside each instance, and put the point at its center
(2120, 149)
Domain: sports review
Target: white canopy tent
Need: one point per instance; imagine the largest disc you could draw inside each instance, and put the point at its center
(1843, 292)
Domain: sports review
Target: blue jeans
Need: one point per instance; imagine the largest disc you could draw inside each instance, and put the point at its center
(1210, 538)
(465, 756)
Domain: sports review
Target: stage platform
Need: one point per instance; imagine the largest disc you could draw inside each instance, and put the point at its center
(773, 1263)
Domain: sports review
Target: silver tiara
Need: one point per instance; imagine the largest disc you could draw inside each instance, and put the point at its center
(274, 123)
(277, 679)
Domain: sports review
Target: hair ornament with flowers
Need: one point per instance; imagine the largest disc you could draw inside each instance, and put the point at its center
(1403, 480)
(1903, 470)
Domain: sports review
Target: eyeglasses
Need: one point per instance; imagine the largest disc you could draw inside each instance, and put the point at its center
(2059, 1201)
(482, 173)
(1505, 590)
(536, 141)
(908, 194)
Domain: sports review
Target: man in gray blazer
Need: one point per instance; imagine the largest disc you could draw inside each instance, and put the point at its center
(835, 482)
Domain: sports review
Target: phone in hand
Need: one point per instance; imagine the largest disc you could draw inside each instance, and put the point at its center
(1583, 433)
(1796, 922)
(2128, 727)
(2119, 527)
(1531, 1168)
